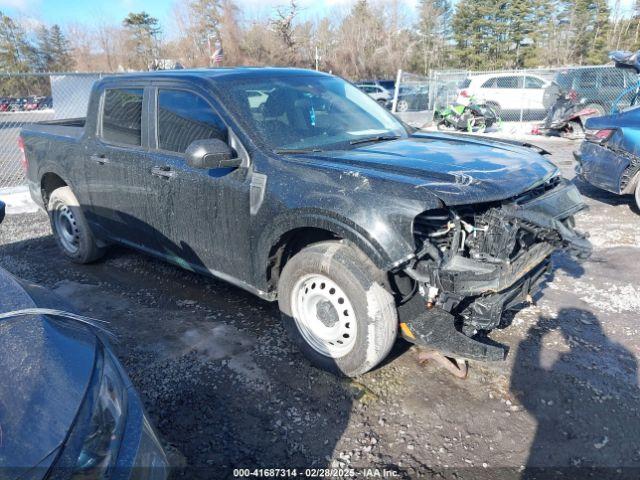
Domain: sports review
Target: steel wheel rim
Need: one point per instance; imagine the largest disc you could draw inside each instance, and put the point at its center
(324, 315)
(67, 229)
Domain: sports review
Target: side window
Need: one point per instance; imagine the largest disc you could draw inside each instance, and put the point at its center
(532, 82)
(586, 79)
(508, 82)
(491, 83)
(613, 78)
(184, 117)
(122, 116)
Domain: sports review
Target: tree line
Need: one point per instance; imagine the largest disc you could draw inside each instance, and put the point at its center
(368, 39)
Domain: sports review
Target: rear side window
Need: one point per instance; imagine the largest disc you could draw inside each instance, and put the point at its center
(508, 82)
(532, 82)
(586, 79)
(184, 117)
(612, 78)
(491, 83)
(122, 116)
(465, 83)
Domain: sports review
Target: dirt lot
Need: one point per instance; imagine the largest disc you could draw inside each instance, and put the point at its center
(226, 389)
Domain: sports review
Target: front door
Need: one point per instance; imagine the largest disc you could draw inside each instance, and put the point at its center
(206, 211)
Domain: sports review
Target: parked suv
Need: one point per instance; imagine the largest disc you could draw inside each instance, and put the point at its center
(596, 88)
(377, 92)
(506, 92)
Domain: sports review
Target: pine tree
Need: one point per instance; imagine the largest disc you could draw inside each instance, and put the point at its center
(45, 53)
(589, 30)
(17, 55)
(434, 32)
(476, 33)
(53, 50)
(144, 31)
(490, 34)
(61, 60)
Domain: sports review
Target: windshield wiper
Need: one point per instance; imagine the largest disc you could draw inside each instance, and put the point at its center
(377, 138)
(284, 151)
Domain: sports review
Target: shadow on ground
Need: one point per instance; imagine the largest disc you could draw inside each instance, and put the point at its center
(562, 375)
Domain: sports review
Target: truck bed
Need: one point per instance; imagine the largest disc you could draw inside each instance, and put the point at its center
(70, 128)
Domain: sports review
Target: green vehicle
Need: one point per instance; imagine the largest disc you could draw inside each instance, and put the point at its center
(474, 117)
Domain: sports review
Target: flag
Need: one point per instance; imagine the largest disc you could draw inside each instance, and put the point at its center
(218, 54)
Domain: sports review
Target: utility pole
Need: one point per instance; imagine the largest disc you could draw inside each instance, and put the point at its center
(317, 59)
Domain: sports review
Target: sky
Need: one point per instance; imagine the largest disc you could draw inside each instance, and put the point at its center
(113, 11)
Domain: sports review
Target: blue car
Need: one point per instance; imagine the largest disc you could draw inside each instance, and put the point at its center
(67, 408)
(610, 158)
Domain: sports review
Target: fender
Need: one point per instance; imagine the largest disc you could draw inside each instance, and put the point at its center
(386, 257)
(35, 185)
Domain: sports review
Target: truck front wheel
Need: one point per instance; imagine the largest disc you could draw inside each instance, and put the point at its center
(70, 229)
(335, 308)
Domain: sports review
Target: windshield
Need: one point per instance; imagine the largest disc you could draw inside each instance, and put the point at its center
(308, 113)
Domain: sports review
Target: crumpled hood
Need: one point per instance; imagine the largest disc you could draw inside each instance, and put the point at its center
(457, 169)
(46, 367)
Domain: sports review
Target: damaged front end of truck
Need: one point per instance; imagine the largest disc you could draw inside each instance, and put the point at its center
(475, 263)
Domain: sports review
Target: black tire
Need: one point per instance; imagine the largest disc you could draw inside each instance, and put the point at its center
(374, 311)
(442, 125)
(497, 110)
(636, 195)
(402, 106)
(576, 131)
(70, 229)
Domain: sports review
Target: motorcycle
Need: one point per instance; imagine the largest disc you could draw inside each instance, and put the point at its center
(473, 117)
(566, 117)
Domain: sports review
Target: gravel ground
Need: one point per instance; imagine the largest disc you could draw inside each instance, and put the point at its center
(226, 389)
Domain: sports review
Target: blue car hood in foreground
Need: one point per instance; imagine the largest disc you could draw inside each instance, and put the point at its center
(457, 169)
(46, 368)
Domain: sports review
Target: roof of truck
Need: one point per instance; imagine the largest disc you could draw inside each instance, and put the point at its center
(216, 73)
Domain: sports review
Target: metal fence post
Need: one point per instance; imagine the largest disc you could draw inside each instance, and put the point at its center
(394, 105)
(524, 93)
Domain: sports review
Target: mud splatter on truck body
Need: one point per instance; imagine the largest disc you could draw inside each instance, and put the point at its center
(462, 225)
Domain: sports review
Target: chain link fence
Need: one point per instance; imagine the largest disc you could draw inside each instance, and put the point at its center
(31, 98)
(515, 95)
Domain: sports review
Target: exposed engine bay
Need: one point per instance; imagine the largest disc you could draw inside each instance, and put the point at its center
(475, 263)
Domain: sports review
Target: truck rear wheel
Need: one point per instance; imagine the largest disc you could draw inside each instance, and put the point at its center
(70, 229)
(336, 310)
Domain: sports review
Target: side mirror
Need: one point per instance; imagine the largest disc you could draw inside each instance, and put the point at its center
(1, 211)
(211, 153)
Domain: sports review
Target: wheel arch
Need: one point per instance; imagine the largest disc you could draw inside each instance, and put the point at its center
(287, 238)
(49, 182)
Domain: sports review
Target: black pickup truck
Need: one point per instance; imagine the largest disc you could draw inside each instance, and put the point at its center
(298, 187)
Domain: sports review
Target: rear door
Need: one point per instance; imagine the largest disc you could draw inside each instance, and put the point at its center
(124, 198)
(533, 92)
(509, 92)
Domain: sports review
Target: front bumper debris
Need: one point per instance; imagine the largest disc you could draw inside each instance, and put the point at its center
(436, 329)
(495, 260)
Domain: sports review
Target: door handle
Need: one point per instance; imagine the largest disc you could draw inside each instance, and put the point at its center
(99, 159)
(163, 172)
